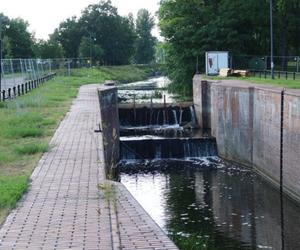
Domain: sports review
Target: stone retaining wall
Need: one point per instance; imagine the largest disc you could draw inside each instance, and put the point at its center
(246, 120)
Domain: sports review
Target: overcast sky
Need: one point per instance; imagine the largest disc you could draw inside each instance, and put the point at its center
(45, 15)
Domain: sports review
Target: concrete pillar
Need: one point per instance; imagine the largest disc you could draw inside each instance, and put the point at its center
(202, 102)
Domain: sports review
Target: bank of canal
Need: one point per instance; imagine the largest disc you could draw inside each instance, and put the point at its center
(202, 202)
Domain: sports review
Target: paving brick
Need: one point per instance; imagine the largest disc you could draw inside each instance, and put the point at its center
(61, 209)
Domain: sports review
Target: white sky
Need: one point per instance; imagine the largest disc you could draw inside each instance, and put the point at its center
(45, 15)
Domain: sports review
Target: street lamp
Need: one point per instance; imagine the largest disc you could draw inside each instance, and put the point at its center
(271, 36)
(0, 56)
(6, 26)
(92, 40)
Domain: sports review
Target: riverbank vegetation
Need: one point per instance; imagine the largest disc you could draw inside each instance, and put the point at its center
(191, 28)
(28, 123)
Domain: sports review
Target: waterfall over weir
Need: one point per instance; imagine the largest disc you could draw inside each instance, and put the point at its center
(165, 121)
(146, 116)
(167, 148)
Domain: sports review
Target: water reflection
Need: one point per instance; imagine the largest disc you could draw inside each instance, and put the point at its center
(229, 208)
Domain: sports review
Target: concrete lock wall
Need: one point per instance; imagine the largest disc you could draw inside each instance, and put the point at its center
(108, 99)
(246, 120)
(291, 142)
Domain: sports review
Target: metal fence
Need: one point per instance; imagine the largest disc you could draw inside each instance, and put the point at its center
(260, 66)
(18, 71)
(263, 63)
(18, 76)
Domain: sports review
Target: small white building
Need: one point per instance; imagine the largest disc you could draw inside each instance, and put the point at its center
(216, 60)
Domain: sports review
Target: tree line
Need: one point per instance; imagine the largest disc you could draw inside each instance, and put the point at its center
(242, 27)
(99, 33)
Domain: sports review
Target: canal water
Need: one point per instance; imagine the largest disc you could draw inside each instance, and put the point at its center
(226, 208)
(200, 201)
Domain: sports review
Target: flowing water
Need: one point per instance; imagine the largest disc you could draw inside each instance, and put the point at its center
(142, 91)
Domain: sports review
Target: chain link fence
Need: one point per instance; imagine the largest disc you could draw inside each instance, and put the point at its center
(18, 76)
(18, 71)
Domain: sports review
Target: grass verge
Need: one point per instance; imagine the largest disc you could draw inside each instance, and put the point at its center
(290, 84)
(28, 123)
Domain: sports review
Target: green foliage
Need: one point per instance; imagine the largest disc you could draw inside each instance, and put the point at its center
(88, 48)
(11, 189)
(144, 51)
(113, 35)
(160, 52)
(190, 242)
(20, 39)
(129, 73)
(32, 148)
(69, 34)
(242, 27)
(6, 52)
(48, 49)
(283, 83)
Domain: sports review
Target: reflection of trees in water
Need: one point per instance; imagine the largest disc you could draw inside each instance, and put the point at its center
(234, 208)
(189, 199)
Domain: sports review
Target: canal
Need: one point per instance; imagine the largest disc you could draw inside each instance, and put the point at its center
(199, 200)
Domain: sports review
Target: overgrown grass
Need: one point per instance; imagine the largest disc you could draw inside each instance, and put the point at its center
(11, 190)
(122, 74)
(28, 123)
(32, 148)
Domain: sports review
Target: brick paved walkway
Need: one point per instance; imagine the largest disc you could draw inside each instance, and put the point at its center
(64, 209)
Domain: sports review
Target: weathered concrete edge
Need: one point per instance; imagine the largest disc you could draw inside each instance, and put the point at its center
(290, 127)
(103, 91)
(289, 193)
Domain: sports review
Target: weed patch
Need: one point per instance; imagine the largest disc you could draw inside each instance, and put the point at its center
(32, 148)
(11, 189)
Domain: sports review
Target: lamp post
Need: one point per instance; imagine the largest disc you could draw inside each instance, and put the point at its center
(271, 36)
(0, 56)
(92, 40)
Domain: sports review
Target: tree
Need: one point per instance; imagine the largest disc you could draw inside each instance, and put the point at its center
(69, 34)
(6, 48)
(48, 49)
(242, 27)
(21, 40)
(180, 23)
(145, 42)
(88, 48)
(113, 33)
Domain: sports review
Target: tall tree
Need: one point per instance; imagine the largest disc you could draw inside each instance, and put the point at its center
(17, 40)
(89, 49)
(145, 42)
(48, 49)
(69, 34)
(21, 40)
(6, 48)
(242, 27)
(113, 33)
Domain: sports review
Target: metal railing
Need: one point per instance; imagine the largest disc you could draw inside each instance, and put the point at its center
(287, 75)
(24, 88)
